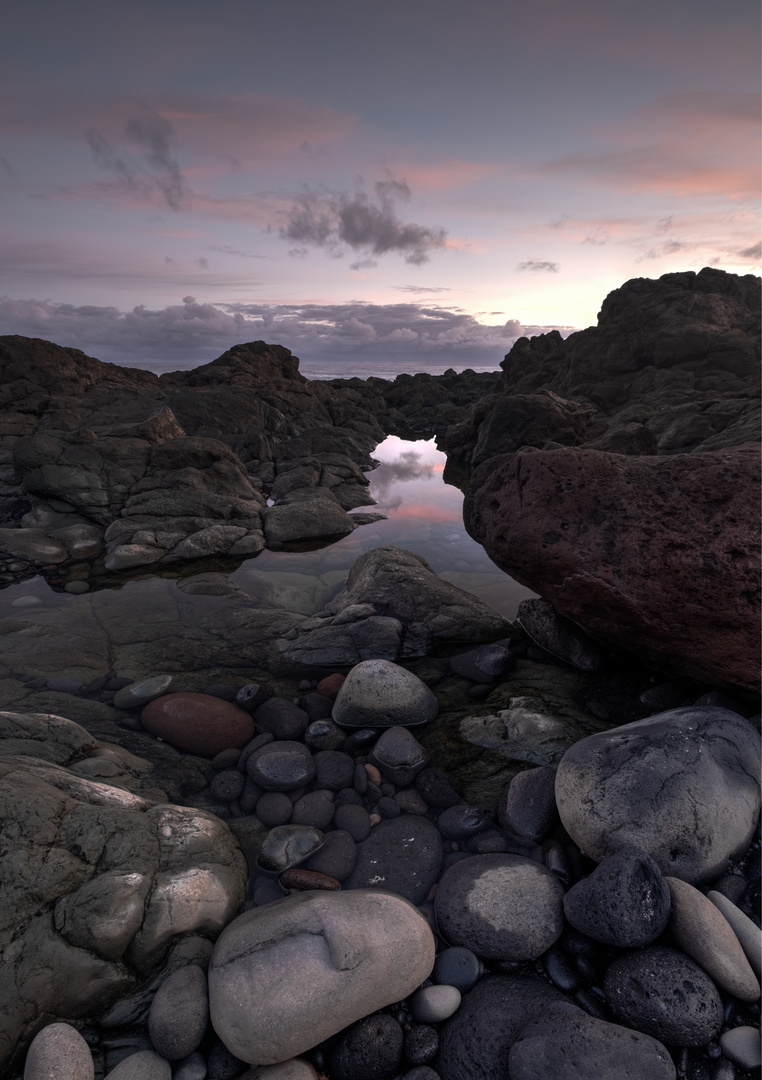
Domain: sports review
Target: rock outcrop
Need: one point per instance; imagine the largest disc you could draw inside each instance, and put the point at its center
(658, 555)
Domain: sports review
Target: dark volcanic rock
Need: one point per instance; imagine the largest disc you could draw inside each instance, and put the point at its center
(658, 555)
(402, 855)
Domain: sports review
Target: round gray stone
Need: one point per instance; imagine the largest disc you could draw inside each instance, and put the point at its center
(353, 819)
(403, 855)
(139, 693)
(281, 766)
(274, 808)
(179, 1013)
(741, 1046)
(315, 808)
(502, 907)
(76, 588)
(145, 1065)
(682, 785)
(379, 694)
(432, 1004)
(663, 993)
(58, 1051)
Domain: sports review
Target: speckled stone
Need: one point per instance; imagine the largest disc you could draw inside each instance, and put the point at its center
(403, 855)
(432, 1004)
(379, 694)
(179, 1013)
(58, 1052)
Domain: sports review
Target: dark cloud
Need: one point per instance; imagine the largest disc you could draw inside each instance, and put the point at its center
(390, 337)
(368, 224)
(154, 170)
(753, 252)
(537, 266)
(226, 249)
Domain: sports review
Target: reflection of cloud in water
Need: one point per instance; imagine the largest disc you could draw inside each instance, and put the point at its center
(408, 466)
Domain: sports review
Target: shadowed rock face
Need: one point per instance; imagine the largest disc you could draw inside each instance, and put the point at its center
(657, 555)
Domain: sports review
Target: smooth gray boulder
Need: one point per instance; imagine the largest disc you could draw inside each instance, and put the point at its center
(682, 785)
(377, 693)
(288, 975)
(179, 1013)
(305, 514)
(58, 1051)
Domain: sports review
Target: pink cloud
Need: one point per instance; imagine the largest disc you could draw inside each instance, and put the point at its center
(447, 175)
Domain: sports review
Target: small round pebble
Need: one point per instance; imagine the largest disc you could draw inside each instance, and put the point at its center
(179, 1013)
(457, 967)
(138, 694)
(399, 756)
(410, 801)
(281, 766)
(315, 808)
(432, 1004)
(421, 1044)
(251, 696)
(281, 718)
(317, 706)
(374, 776)
(324, 735)
(221, 690)
(334, 770)
(742, 1046)
(76, 588)
(227, 785)
(353, 819)
(66, 684)
(274, 808)
(227, 759)
(58, 1051)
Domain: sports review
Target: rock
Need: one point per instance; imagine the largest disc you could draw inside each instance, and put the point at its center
(432, 1004)
(179, 1013)
(688, 605)
(411, 802)
(749, 935)
(703, 932)
(294, 1069)
(193, 1067)
(138, 694)
(403, 856)
(371, 1049)
(315, 808)
(288, 845)
(145, 1065)
(457, 967)
(421, 1042)
(388, 807)
(330, 685)
(197, 722)
(681, 785)
(379, 694)
(281, 718)
(317, 706)
(462, 821)
(484, 665)
(228, 785)
(528, 806)
(568, 1043)
(222, 1064)
(281, 766)
(334, 770)
(474, 1043)
(437, 788)
(304, 880)
(285, 977)
(353, 819)
(741, 1046)
(305, 515)
(663, 993)
(337, 857)
(502, 907)
(58, 1051)
(273, 808)
(624, 902)
(559, 636)
(398, 756)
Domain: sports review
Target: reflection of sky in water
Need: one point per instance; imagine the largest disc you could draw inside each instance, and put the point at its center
(425, 515)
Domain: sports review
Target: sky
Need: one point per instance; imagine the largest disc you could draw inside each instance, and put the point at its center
(415, 183)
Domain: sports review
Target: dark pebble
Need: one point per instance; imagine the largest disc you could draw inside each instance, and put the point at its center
(222, 1065)
(593, 1004)
(360, 740)
(437, 788)
(337, 857)
(461, 821)
(420, 1044)
(317, 706)
(315, 808)
(402, 855)
(274, 808)
(557, 861)
(528, 806)
(66, 684)
(487, 843)
(307, 880)
(373, 793)
(281, 766)
(251, 747)
(360, 779)
(421, 1072)
(353, 819)
(371, 1049)
(281, 718)
(250, 797)
(334, 770)
(226, 759)
(251, 696)
(223, 691)
(349, 797)
(227, 785)
(324, 735)
(457, 967)
(483, 665)
(560, 970)
(387, 807)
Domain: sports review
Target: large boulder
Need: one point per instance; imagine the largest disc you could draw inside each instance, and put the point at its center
(682, 785)
(288, 975)
(658, 555)
(96, 882)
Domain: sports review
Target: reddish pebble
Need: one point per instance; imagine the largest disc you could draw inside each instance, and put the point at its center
(198, 723)
(330, 685)
(308, 879)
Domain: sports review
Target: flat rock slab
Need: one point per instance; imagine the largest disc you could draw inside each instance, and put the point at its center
(656, 554)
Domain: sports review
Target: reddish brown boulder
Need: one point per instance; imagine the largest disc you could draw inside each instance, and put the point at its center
(198, 723)
(658, 555)
(330, 685)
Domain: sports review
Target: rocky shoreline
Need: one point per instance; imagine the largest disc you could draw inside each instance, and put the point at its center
(428, 842)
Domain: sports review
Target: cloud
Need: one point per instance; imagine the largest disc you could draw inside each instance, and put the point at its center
(538, 266)
(367, 224)
(408, 335)
(422, 288)
(155, 170)
(408, 466)
(753, 252)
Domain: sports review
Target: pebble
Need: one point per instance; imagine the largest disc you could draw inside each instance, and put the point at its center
(388, 808)
(421, 1072)
(227, 785)
(372, 1049)
(462, 821)
(281, 718)
(748, 934)
(197, 723)
(223, 1065)
(420, 1045)
(483, 665)
(288, 845)
(398, 756)
(663, 993)
(374, 776)
(353, 819)
(378, 693)
(221, 690)
(302, 880)
(403, 855)
(316, 808)
(457, 967)
(330, 685)
(742, 1046)
(145, 1065)
(58, 1051)
(294, 1069)
(226, 759)
(502, 907)
(317, 706)
(334, 769)
(337, 857)
(360, 779)
(251, 696)
(560, 970)
(528, 806)
(138, 694)
(76, 588)
(275, 808)
(193, 1067)
(432, 1004)
(410, 801)
(324, 735)
(703, 932)
(66, 684)
(281, 766)
(624, 902)
(567, 1042)
(488, 843)
(179, 1013)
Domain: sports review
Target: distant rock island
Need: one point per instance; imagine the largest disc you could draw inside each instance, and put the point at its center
(610, 471)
